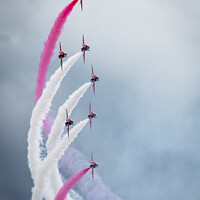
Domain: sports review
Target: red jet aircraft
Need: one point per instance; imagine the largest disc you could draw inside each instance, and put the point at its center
(93, 165)
(81, 4)
(68, 122)
(61, 55)
(94, 79)
(91, 115)
(84, 48)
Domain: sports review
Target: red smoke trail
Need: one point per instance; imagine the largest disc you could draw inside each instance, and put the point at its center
(49, 46)
(70, 184)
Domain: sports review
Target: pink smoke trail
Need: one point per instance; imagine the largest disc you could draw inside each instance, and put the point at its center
(49, 46)
(70, 184)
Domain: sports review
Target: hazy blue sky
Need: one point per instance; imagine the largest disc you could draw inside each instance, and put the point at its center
(147, 132)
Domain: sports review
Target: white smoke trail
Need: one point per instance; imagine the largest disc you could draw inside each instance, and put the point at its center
(52, 158)
(59, 123)
(57, 130)
(40, 111)
(48, 194)
(55, 179)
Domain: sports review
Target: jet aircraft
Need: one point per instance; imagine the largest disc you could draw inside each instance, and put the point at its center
(94, 79)
(91, 115)
(68, 122)
(61, 55)
(93, 165)
(84, 48)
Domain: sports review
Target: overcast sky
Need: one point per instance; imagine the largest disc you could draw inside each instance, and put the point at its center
(146, 52)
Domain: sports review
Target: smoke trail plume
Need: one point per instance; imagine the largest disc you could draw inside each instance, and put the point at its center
(52, 158)
(58, 127)
(59, 123)
(74, 161)
(40, 111)
(48, 194)
(70, 184)
(49, 47)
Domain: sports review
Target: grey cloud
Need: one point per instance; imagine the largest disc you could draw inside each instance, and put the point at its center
(146, 135)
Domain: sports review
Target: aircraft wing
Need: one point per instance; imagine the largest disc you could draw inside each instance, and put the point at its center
(61, 62)
(83, 40)
(90, 123)
(94, 87)
(91, 157)
(92, 173)
(92, 71)
(68, 130)
(89, 107)
(81, 5)
(60, 46)
(84, 56)
(67, 113)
